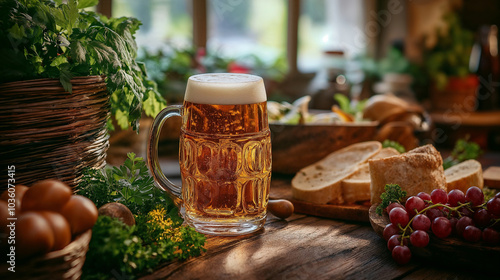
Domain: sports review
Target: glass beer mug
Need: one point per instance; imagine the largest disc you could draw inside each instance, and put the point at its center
(224, 153)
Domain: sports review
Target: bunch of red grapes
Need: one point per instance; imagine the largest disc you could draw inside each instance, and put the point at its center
(443, 214)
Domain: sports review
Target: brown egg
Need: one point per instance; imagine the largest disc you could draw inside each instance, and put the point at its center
(81, 213)
(50, 195)
(60, 228)
(17, 195)
(33, 235)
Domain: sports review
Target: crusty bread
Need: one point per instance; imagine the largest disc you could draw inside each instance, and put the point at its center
(357, 186)
(464, 175)
(321, 182)
(419, 170)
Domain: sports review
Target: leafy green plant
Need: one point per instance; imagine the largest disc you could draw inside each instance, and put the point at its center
(462, 151)
(129, 184)
(52, 39)
(117, 249)
(393, 193)
(353, 108)
(450, 56)
(158, 235)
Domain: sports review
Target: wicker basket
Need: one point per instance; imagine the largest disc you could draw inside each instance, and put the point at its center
(62, 264)
(47, 132)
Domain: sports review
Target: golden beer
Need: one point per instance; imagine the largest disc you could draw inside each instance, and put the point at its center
(224, 154)
(225, 160)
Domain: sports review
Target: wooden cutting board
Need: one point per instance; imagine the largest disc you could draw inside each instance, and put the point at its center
(491, 177)
(349, 212)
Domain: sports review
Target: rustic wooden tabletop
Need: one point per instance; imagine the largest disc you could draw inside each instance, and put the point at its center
(309, 247)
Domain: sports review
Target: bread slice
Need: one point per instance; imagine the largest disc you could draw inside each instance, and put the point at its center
(357, 186)
(464, 175)
(321, 182)
(419, 170)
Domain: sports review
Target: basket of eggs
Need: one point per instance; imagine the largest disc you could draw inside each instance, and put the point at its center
(45, 231)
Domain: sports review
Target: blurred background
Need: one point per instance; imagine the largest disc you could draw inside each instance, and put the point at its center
(439, 54)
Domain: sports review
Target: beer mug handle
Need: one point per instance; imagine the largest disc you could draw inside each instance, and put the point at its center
(161, 181)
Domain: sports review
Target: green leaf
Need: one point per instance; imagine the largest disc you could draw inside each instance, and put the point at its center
(78, 51)
(393, 193)
(65, 77)
(59, 60)
(87, 3)
(344, 103)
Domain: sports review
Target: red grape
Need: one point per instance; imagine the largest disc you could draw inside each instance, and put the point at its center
(414, 204)
(394, 241)
(439, 196)
(497, 195)
(462, 224)
(475, 196)
(399, 216)
(491, 236)
(453, 222)
(493, 206)
(390, 230)
(401, 254)
(424, 196)
(482, 218)
(472, 234)
(433, 213)
(419, 238)
(421, 222)
(455, 196)
(441, 227)
(465, 211)
(393, 205)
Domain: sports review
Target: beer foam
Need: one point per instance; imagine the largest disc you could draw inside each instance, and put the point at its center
(225, 89)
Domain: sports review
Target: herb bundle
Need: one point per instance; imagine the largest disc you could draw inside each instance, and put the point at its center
(158, 236)
(52, 39)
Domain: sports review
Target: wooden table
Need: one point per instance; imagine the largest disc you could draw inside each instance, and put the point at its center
(307, 247)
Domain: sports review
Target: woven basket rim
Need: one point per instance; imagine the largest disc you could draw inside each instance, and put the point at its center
(80, 242)
(76, 80)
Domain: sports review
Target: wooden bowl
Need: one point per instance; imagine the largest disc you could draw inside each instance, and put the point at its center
(297, 146)
(451, 251)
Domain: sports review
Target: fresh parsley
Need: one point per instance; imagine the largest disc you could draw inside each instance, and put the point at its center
(119, 250)
(58, 39)
(129, 184)
(462, 151)
(393, 193)
(158, 235)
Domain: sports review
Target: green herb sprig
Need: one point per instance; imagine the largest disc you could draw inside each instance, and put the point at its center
(393, 193)
(129, 184)
(52, 39)
(157, 237)
(462, 151)
(119, 250)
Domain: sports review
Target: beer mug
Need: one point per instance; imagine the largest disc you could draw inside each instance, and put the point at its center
(224, 153)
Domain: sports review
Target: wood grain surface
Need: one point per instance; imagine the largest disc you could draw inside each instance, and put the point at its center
(350, 212)
(306, 247)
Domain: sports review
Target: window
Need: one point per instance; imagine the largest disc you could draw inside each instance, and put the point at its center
(238, 27)
(163, 21)
(329, 25)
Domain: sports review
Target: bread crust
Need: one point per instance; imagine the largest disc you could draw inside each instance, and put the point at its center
(464, 175)
(420, 169)
(321, 182)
